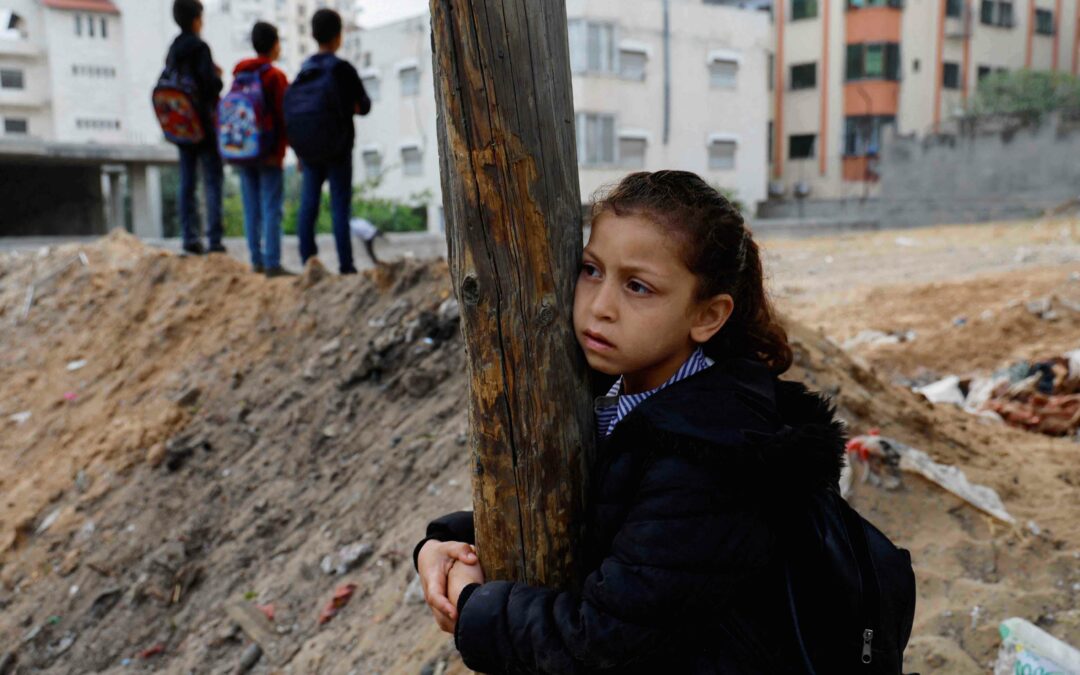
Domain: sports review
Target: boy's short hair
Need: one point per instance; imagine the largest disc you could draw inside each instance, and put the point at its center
(263, 38)
(325, 26)
(185, 12)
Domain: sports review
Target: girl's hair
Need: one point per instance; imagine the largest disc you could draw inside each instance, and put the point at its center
(720, 251)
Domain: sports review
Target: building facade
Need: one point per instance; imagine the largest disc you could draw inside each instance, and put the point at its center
(713, 119)
(845, 70)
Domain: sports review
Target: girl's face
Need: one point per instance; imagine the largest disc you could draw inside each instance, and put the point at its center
(635, 312)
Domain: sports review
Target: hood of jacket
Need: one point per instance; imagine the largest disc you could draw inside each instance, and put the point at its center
(773, 433)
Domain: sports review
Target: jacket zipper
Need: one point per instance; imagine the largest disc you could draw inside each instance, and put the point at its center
(867, 637)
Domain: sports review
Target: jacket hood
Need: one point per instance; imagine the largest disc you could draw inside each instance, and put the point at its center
(185, 45)
(766, 429)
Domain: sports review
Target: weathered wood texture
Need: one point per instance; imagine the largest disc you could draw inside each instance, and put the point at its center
(512, 203)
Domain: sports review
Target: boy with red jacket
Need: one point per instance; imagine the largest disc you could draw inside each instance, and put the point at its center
(261, 185)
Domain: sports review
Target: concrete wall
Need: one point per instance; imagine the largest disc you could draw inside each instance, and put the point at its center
(51, 200)
(976, 178)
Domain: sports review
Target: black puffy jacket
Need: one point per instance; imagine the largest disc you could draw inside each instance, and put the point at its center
(684, 539)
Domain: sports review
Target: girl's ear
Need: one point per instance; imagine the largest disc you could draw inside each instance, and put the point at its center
(710, 317)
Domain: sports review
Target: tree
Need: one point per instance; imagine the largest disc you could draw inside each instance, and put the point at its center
(509, 175)
(1027, 95)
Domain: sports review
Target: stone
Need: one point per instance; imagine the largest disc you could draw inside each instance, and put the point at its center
(251, 656)
(156, 455)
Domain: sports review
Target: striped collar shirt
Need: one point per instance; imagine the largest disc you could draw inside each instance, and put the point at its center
(612, 408)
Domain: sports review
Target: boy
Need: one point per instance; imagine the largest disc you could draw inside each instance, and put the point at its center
(189, 54)
(337, 167)
(261, 184)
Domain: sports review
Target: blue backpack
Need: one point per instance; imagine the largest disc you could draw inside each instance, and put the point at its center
(245, 128)
(313, 118)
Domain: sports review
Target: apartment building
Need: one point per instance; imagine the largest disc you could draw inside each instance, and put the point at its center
(845, 70)
(672, 84)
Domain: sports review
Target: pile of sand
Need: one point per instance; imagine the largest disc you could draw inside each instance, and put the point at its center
(227, 433)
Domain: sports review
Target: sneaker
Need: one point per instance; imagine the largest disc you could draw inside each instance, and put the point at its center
(193, 249)
(278, 271)
(349, 270)
(257, 269)
(217, 248)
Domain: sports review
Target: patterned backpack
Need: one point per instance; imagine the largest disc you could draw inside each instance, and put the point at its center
(175, 102)
(245, 130)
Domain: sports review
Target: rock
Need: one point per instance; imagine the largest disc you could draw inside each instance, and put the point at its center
(314, 272)
(190, 397)
(418, 384)
(156, 455)
(353, 556)
(414, 594)
(251, 656)
(327, 564)
(330, 347)
(7, 663)
(449, 311)
(169, 556)
(65, 643)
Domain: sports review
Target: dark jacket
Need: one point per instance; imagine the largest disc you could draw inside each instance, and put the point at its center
(684, 543)
(352, 96)
(274, 83)
(190, 55)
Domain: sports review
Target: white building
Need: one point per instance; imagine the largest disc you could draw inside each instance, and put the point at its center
(715, 122)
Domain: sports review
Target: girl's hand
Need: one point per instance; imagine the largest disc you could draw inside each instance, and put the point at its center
(434, 563)
(461, 575)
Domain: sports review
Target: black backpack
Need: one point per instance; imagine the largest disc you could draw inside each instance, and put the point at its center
(313, 117)
(851, 591)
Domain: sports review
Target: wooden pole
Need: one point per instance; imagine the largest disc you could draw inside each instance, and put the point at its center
(513, 212)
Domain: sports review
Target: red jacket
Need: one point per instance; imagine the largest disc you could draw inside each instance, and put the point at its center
(274, 85)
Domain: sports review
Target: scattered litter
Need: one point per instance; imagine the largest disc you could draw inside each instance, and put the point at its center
(950, 478)
(906, 241)
(76, 365)
(976, 612)
(1034, 528)
(341, 598)
(65, 643)
(151, 652)
(70, 396)
(1026, 648)
(946, 390)
(959, 321)
(347, 559)
(251, 656)
(414, 593)
(73, 591)
(267, 610)
(877, 337)
(20, 417)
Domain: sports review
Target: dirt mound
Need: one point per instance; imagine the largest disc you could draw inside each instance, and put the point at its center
(227, 434)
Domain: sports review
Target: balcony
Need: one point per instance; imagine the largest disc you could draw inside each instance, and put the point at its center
(19, 47)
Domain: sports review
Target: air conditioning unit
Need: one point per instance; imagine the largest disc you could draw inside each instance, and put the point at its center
(776, 188)
(802, 189)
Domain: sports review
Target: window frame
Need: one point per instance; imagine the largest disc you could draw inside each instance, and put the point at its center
(364, 154)
(18, 74)
(413, 89)
(607, 122)
(809, 9)
(724, 140)
(950, 68)
(813, 68)
(791, 147)
(8, 121)
(405, 164)
(1042, 15)
(891, 61)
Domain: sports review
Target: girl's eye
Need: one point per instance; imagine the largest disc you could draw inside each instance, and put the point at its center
(638, 288)
(590, 270)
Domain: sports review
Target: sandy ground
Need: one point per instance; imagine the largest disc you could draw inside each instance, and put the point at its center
(226, 433)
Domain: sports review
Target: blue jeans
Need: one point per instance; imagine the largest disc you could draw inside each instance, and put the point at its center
(261, 189)
(314, 175)
(213, 175)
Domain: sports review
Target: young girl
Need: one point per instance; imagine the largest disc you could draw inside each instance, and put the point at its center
(700, 448)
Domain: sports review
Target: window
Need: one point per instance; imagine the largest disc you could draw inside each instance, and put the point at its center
(1044, 22)
(596, 139)
(723, 73)
(801, 146)
(372, 164)
(104, 30)
(592, 47)
(859, 4)
(78, 25)
(804, 76)
(771, 68)
(880, 61)
(371, 86)
(632, 63)
(367, 60)
(721, 154)
(862, 134)
(632, 152)
(950, 75)
(803, 9)
(996, 13)
(954, 8)
(90, 26)
(412, 161)
(769, 134)
(16, 125)
(12, 79)
(984, 71)
(410, 81)
(97, 124)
